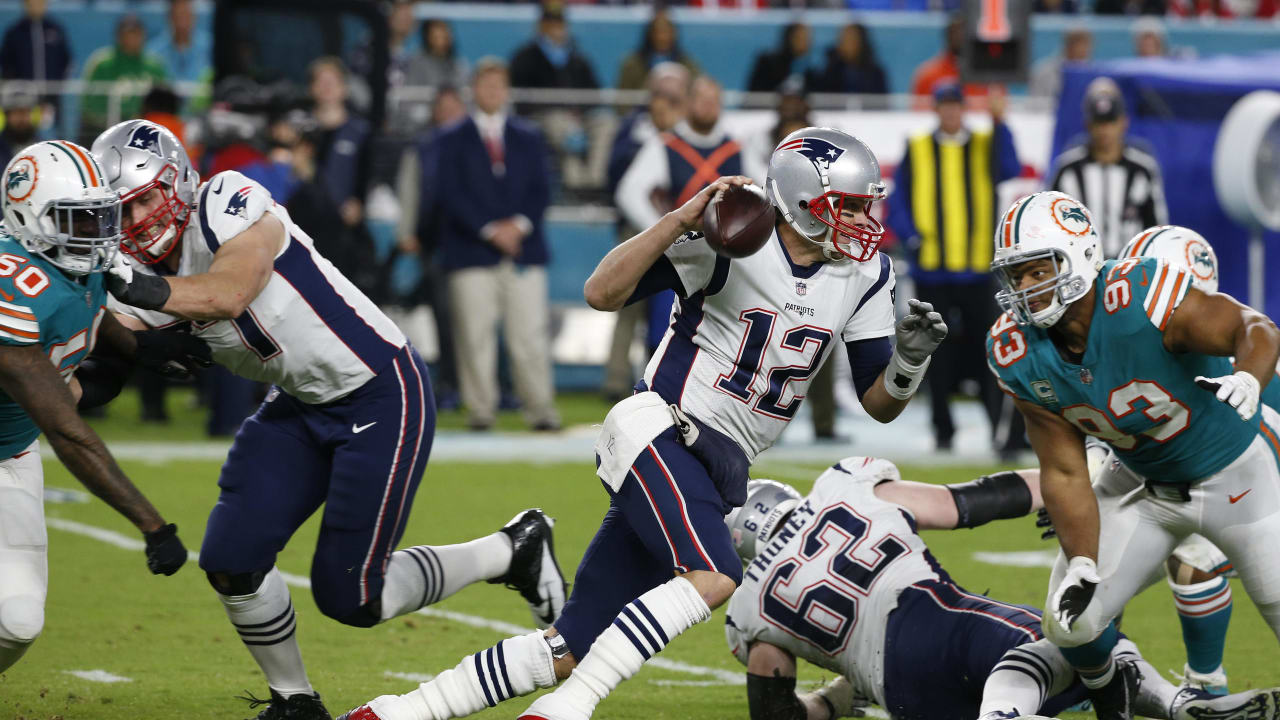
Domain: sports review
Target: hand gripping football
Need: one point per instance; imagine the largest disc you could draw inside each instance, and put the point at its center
(738, 221)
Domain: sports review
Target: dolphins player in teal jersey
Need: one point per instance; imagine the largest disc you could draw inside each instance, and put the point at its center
(1129, 352)
(61, 229)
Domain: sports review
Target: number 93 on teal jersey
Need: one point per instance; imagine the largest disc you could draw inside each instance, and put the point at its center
(1128, 390)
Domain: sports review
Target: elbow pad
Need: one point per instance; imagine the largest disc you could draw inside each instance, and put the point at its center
(773, 698)
(990, 497)
(101, 378)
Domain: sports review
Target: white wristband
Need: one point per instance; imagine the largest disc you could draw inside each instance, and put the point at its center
(902, 379)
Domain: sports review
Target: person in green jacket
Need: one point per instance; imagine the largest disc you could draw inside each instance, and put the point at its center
(123, 62)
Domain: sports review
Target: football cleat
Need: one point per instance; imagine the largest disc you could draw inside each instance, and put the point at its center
(384, 704)
(1114, 701)
(1214, 683)
(552, 707)
(1194, 704)
(534, 571)
(294, 707)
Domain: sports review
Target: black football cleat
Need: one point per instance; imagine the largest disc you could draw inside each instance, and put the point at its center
(1115, 700)
(294, 707)
(534, 571)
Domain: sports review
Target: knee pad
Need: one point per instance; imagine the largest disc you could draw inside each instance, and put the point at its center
(237, 584)
(21, 619)
(365, 616)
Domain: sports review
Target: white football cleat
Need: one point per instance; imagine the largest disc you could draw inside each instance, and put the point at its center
(1214, 683)
(552, 707)
(1192, 704)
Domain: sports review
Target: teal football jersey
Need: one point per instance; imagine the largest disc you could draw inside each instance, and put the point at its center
(40, 305)
(1128, 390)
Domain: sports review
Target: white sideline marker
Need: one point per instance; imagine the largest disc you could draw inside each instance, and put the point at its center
(98, 676)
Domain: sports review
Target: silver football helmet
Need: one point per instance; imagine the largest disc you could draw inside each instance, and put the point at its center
(138, 156)
(812, 173)
(57, 204)
(752, 525)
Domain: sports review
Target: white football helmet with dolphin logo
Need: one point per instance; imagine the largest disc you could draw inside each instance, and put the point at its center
(1180, 246)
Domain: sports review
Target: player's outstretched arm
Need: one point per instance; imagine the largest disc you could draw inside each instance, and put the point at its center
(31, 380)
(1216, 324)
(998, 496)
(240, 270)
(1064, 480)
(618, 274)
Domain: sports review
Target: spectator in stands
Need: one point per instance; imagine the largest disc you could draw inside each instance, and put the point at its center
(1119, 182)
(18, 103)
(438, 64)
(851, 65)
(668, 86)
(493, 250)
(1046, 76)
(550, 60)
(124, 65)
(659, 44)
(1130, 7)
(416, 276)
(343, 164)
(276, 170)
(1149, 39)
(187, 49)
(789, 59)
(35, 48)
(943, 209)
(943, 68)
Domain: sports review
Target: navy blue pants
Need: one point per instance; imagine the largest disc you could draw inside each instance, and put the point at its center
(361, 456)
(942, 642)
(666, 518)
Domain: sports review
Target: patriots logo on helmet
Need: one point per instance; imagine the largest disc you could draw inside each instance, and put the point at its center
(238, 203)
(146, 137)
(20, 181)
(820, 152)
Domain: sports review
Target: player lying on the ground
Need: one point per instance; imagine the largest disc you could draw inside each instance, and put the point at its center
(1129, 352)
(745, 339)
(61, 229)
(841, 578)
(348, 423)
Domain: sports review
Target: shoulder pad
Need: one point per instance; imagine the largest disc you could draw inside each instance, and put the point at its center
(860, 470)
(228, 204)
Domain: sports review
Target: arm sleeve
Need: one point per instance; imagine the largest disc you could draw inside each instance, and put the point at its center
(662, 276)
(873, 315)
(899, 203)
(867, 359)
(647, 173)
(1006, 153)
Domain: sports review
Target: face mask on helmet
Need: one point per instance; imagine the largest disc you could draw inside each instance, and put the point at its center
(1053, 286)
(850, 239)
(152, 238)
(78, 236)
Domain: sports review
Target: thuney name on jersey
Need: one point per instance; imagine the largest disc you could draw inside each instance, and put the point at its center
(1128, 390)
(40, 305)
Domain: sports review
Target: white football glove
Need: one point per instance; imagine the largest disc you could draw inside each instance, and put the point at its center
(1240, 390)
(121, 267)
(920, 332)
(1075, 592)
(840, 698)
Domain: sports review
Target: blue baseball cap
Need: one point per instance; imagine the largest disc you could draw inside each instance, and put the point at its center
(948, 92)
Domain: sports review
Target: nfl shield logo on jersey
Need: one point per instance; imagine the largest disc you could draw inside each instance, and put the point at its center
(801, 288)
(1086, 377)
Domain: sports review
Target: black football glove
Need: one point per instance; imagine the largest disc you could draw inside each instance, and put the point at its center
(141, 290)
(174, 354)
(1044, 521)
(165, 552)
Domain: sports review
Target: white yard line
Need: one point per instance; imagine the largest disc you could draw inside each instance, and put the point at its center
(1024, 559)
(98, 676)
(410, 676)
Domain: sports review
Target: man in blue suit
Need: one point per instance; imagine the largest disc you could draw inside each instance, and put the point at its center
(493, 250)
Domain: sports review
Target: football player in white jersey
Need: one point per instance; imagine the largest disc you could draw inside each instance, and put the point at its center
(841, 578)
(746, 336)
(348, 422)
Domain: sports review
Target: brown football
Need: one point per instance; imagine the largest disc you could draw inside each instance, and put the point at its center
(738, 221)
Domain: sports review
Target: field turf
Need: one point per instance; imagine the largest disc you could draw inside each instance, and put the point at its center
(170, 638)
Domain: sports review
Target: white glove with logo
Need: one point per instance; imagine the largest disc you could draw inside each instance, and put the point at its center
(121, 267)
(149, 292)
(1075, 592)
(840, 699)
(1240, 390)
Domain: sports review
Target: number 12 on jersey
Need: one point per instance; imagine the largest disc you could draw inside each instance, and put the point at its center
(755, 344)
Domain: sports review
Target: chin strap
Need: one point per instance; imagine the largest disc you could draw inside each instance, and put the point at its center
(829, 250)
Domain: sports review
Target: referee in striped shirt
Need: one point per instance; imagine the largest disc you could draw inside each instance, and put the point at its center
(1118, 182)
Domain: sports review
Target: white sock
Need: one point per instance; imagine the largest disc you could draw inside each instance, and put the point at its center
(1024, 678)
(516, 666)
(266, 623)
(426, 574)
(640, 631)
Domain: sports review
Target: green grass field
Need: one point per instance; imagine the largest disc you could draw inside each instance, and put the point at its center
(169, 636)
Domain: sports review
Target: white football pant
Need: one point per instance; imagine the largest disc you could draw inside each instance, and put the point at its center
(24, 553)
